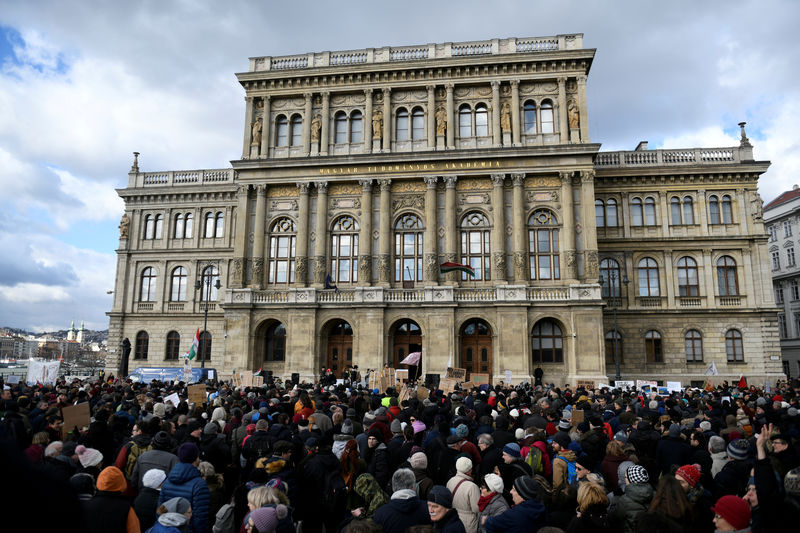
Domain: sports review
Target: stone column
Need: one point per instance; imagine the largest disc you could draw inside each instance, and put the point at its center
(451, 127)
(265, 127)
(701, 202)
(321, 242)
(495, 113)
(240, 242)
(563, 122)
(248, 126)
(385, 220)
(451, 226)
(710, 290)
(499, 228)
(515, 111)
(307, 118)
(367, 121)
(326, 121)
(431, 257)
(583, 109)
(365, 235)
(568, 243)
(521, 274)
(431, 117)
(589, 231)
(387, 119)
(301, 251)
(258, 236)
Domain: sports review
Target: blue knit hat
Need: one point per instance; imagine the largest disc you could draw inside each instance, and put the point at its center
(739, 449)
(512, 449)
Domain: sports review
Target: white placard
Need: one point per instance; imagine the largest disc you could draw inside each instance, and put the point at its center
(12, 380)
(45, 372)
(210, 374)
(641, 383)
(674, 386)
(174, 398)
(508, 376)
(603, 386)
(623, 384)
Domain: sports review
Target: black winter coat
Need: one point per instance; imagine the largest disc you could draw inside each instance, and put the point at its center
(672, 451)
(145, 506)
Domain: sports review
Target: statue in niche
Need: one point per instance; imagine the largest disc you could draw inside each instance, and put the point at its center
(377, 124)
(124, 226)
(757, 206)
(505, 117)
(574, 116)
(441, 121)
(316, 128)
(256, 132)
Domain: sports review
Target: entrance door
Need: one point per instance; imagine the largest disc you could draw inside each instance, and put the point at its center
(407, 339)
(476, 347)
(340, 347)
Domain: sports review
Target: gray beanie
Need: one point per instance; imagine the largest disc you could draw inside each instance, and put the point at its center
(395, 426)
(212, 428)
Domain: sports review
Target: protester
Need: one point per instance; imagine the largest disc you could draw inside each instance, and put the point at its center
(185, 480)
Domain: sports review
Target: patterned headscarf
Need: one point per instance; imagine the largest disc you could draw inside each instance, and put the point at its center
(367, 487)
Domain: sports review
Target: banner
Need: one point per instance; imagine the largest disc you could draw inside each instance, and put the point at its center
(624, 384)
(44, 372)
(674, 386)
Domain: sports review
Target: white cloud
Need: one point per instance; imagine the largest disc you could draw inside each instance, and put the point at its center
(33, 293)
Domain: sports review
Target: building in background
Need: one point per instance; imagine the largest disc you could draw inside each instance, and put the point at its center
(366, 174)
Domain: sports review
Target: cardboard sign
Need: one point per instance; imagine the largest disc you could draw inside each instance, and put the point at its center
(258, 381)
(197, 394)
(448, 384)
(422, 392)
(479, 379)
(401, 374)
(577, 417)
(467, 385)
(587, 384)
(174, 398)
(12, 379)
(458, 374)
(75, 415)
(403, 394)
(247, 378)
(387, 372)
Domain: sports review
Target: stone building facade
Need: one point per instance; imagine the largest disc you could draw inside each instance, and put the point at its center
(363, 171)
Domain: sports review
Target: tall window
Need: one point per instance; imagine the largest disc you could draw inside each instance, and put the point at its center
(178, 285)
(178, 226)
(188, 226)
(599, 214)
(296, 135)
(149, 226)
(464, 121)
(543, 245)
(142, 344)
(773, 233)
(726, 276)
(408, 248)
(173, 346)
(687, 277)
(652, 346)
(795, 291)
(476, 245)
(733, 346)
(713, 209)
(776, 260)
(473, 124)
(209, 282)
(609, 341)
(547, 342)
(281, 131)
(688, 210)
(782, 326)
(675, 211)
(609, 270)
(344, 250)
(147, 293)
(787, 228)
(605, 213)
(481, 121)
(637, 212)
(648, 277)
(681, 212)
(778, 294)
(529, 118)
(693, 343)
(611, 213)
(649, 211)
(727, 210)
(417, 124)
(401, 119)
(356, 127)
(790, 256)
(282, 240)
(209, 226)
(548, 123)
(340, 127)
(275, 343)
(214, 225)
(204, 349)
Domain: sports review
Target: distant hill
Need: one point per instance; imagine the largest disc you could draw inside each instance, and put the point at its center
(89, 335)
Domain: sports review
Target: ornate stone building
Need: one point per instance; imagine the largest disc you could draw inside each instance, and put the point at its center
(365, 170)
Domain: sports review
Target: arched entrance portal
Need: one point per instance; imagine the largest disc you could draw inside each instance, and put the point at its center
(270, 344)
(407, 339)
(476, 347)
(340, 347)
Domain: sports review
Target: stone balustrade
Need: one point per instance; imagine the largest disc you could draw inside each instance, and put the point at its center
(654, 158)
(179, 178)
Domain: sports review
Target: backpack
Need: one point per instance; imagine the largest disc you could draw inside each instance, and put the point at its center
(572, 472)
(534, 460)
(223, 522)
(133, 454)
(334, 493)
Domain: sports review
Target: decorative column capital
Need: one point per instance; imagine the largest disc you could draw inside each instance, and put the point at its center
(366, 185)
(242, 190)
(498, 179)
(587, 176)
(495, 84)
(431, 181)
(261, 189)
(368, 91)
(518, 179)
(430, 88)
(385, 184)
(562, 80)
(449, 87)
(387, 90)
(514, 83)
(322, 186)
(581, 79)
(303, 188)
(325, 95)
(308, 96)
(450, 182)
(267, 97)
(566, 177)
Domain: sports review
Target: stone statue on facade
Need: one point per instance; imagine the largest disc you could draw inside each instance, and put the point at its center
(256, 132)
(505, 117)
(316, 128)
(574, 116)
(757, 206)
(441, 121)
(377, 124)
(124, 226)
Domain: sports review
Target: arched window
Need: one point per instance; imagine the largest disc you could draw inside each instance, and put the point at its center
(147, 292)
(204, 349)
(637, 213)
(340, 127)
(687, 277)
(173, 346)
(648, 277)
(464, 121)
(417, 124)
(209, 226)
(401, 129)
(344, 250)
(543, 245)
(149, 226)
(688, 210)
(548, 123)
(281, 131)
(649, 211)
(675, 211)
(476, 249)
(356, 127)
(611, 337)
(529, 118)
(652, 347)
(142, 344)
(481, 121)
(547, 342)
(733, 346)
(275, 343)
(609, 272)
(727, 210)
(282, 241)
(188, 227)
(297, 130)
(209, 282)
(178, 285)
(159, 225)
(219, 225)
(408, 248)
(726, 276)
(599, 214)
(178, 226)
(611, 213)
(694, 346)
(713, 209)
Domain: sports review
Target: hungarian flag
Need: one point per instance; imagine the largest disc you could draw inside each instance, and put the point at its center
(195, 345)
(449, 266)
(742, 383)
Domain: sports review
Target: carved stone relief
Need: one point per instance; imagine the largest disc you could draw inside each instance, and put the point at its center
(499, 260)
(345, 203)
(342, 189)
(542, 181)
(542, 196)
(591, 266)
(383, 268)
(301, 269)
(402, 202)
(431, 267)
(365, 267)
(472, 184)
(319, 269)
(283, 205)
(407, 186)
(258, 270)
(283, 191)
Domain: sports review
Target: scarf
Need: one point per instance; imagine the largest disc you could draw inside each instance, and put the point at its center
(483, 501)
(349, 461)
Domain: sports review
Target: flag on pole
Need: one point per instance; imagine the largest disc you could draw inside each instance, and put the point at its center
(449, 266)
(742, 383)
(712, 369)
(195, 346)
(412, 359)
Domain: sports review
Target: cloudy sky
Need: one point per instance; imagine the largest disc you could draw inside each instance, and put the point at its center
(85, 83)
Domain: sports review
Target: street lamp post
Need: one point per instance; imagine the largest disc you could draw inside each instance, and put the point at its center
(198, 284)
(614, 285)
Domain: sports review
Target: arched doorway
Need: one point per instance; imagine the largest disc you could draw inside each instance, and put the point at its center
(407, 338)
(340, 347)
(476, 347)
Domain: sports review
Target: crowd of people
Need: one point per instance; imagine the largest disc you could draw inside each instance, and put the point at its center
(343, 457)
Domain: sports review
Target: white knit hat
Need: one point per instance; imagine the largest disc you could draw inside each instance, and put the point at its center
(463, 465)
(494, 482)
(153, 478)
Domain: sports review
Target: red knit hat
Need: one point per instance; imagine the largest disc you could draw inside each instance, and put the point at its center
(690, 473)
(734, 510)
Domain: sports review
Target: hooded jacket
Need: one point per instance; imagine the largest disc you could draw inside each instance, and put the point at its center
(627, 507)
(184, 480)
(529, 515)
(401, 512)
(109, 511)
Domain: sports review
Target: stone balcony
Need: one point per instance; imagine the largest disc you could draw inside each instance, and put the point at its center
(182, 178)
(671, 158)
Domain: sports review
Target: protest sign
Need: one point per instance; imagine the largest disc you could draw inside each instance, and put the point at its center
(174, 398)
(458, 374)
(479, 379)
(197, 394)
(258, 381)
(467, 385)
(577, 417)
(674, 386)
(624, 384)
(422, 392)
(12, 379)
(587, 384)
(403, 395)
(448, 384)
(401, 374)
(44, 372)
(75, 415)
(646, 383)
(508, 376)
(247, 378)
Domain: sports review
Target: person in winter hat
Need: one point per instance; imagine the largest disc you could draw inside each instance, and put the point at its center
(491, 503)
(731, 513)
(465, 494)
(405, 509)
(636, 499)
(109, 510)
(90, 459)
(173, 515)
(440, 507)
(146, 502)
(265, 519)
(185, 480)
(527, 514)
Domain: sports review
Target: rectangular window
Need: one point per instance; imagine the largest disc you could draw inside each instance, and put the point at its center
(795, 290)
(776, 260)
(790, 257)
(779, 295)
(782, 325)
(787, 228)
(796, 324)
(773, 234)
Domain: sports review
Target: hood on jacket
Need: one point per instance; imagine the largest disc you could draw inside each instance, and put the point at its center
(569, 455)
(111, 479)
(172, 520)
(641, 493)
(181, 473)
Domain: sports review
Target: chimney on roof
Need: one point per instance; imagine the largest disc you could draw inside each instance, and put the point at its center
(642, 146)
(795, 187)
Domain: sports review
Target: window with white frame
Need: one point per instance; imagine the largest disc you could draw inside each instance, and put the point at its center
(726, 276)
(773, 233)
(476, 245)
(147, 292)
(473, 123)
(776, 260)
(344, 250)
(648, 277)
(281, 261)
(529, 118)
(778, 294)
(543, 245)
(782, 325)
(790, 256)
(547, 116)
(795, 289)
(734, 346)
(787, 228)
